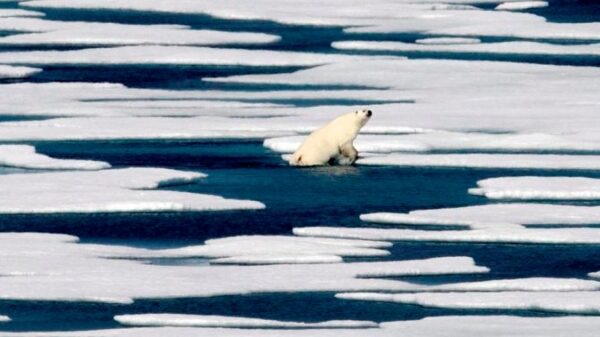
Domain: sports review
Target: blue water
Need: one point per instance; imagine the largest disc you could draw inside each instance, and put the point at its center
(333, 196)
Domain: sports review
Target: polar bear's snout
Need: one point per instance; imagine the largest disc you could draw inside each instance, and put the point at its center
(369, 113)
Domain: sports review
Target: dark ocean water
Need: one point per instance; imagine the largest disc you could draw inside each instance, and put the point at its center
(333, 196)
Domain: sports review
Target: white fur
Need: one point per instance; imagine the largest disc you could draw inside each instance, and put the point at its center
(334, 142)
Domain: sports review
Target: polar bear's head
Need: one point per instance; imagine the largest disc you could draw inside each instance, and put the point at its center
(363, 116)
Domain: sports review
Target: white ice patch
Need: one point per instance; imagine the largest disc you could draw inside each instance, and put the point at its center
(9, 13)
(30, 260)
(234, 322)
(264, 249)
(583, 302)
(445, 326)
(4, 319)
(494, 215)
(47, 32)
(501, 234)
(25, 156)
(118, 190)
(511, 47)
(447, 40)
(524, 284)
(489, 161)
(539, 188)
(521, 5)
(17, 72)
(163, 55)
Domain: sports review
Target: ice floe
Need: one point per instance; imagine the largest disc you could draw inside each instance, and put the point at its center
(17, 72)
(9, 13)
(25, 156)
(511, 47)
(446, 326)
(494, 215)
(4, 318)
(583, 302)
(47, 32)
(265, 249)
(495, 161)
(233, 322)
(521, 5)
(162, 55)
(532, 188)
(447, 40)
(85, 274)
(117, 190)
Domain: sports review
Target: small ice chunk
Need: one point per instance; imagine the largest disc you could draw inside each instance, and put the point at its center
(539, 188)
(17, 72)
(233, 322)
(448, 40)
(25, 156)
(521, 5)
(4, 319)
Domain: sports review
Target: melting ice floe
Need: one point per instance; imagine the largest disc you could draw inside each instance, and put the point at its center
(447, 326)
(24, 156)
(521, 5)
(8, 13)
(262, 249)
(531, 188)
(447, 40)
(497, 161)
(494, 215)
(4, 318)
(233, 322)
(512, 47)
(162, 55)
(30, 260)
(424, 16)
(584, 302)
(118, 190)
(17, 72)
(47, 32)
(489, 223)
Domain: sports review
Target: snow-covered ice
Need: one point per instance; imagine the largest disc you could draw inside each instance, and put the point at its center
(47, 32)
(583, 302)
(494, 215)
(447, 40)
(445, 326)
(178, 55)
(10, 12)
(544, 188)
(86, 275)
(521, 5)
(7, 71)
(511, 47)
(25, 156)
(257, 249)
(4, 318)
(117, 190)
(233, 322)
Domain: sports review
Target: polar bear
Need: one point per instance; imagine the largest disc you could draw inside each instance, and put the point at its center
(332, 144)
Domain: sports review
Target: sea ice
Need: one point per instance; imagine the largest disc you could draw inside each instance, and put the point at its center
(545, 188)
(580, 302)
(17, 72)
(47, 32)
(25, 156)
(117, 190)
(521, 5)
(233, 322)
(489, 161)
(85, 274)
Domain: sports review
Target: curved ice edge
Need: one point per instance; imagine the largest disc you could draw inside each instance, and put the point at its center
(210, 321)
(26, 156)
